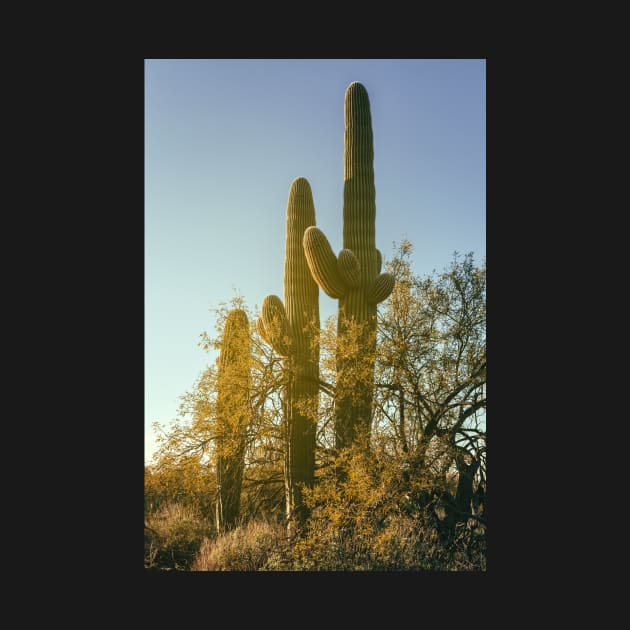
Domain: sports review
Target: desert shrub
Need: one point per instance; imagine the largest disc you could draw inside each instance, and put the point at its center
(377, 519)
(256, 546)
(355, 494)
(186, 482)
(173, 536)
(417, 543)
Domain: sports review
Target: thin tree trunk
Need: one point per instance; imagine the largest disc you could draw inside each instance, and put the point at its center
(464, 494)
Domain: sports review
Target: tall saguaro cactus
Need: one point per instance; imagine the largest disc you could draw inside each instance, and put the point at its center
(289, 329)
(232, 416)
(354, 276)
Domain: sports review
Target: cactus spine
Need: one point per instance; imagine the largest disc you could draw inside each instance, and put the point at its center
(290, 329)
(232, 416)
(354, 276)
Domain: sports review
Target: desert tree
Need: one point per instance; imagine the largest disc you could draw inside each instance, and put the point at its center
(431, 371)
(209, 430)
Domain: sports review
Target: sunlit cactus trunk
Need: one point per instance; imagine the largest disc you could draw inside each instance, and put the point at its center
(292, 330)
(233, 415)
(354, 276)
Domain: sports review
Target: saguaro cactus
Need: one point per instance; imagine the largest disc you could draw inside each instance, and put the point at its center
(290, 328)
(354, 276)
(233, 414)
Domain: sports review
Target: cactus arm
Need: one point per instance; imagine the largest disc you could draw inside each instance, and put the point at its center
(322, 263)
(379, 261)
(275, 324)
(381, 288)
(260, 329)
(349, 268)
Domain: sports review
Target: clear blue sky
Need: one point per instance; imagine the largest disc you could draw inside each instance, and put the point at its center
(224, 139)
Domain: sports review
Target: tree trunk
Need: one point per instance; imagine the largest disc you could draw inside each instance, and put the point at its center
(464, 494)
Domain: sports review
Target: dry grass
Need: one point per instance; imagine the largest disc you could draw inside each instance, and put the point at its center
(173, 536)
(257, 546)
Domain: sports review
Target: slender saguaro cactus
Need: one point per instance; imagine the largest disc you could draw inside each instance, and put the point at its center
(354, 276)
(289, 329)
(232, 416)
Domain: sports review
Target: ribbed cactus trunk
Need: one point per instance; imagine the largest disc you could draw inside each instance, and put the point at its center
(301, 299)
(353, 277)
(291, 330)
(353, 410)
(233, 415)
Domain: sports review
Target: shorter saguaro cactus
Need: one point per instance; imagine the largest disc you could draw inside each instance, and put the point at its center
(290, 331)
(233, 413)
